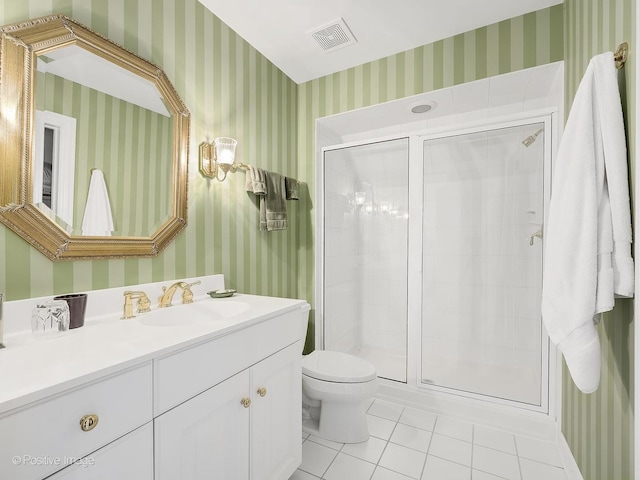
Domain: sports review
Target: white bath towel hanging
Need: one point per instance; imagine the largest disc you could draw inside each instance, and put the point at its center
(97, 219)
(588, 232)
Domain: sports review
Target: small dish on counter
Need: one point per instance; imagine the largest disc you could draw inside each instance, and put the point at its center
(227, 292)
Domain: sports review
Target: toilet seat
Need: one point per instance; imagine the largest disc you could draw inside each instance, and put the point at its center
(337, 367)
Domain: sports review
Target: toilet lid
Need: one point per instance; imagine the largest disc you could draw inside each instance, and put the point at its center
(337, 367)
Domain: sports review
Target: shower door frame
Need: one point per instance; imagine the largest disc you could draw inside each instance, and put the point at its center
(552, 363)
(550, 376)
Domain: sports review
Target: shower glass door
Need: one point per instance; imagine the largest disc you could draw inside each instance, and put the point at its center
(482, 264)
(365, 253)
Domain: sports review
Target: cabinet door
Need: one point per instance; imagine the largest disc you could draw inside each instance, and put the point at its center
(128, 457)
(206, 437)
(276, 417)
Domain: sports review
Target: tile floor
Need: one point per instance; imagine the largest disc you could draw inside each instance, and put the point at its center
(406, 443)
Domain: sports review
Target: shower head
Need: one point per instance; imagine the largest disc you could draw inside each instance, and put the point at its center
(532, 138)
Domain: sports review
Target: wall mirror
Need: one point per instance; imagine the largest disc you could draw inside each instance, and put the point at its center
(94, 144)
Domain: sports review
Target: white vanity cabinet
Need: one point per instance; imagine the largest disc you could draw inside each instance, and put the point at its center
(215, 398)
(245, 422)
(247, 427)
(45, 437)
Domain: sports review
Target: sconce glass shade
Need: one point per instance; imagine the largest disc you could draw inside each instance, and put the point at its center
(225, 150)
(219, 157)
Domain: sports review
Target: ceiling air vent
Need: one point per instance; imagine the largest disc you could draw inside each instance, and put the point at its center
(333, 35)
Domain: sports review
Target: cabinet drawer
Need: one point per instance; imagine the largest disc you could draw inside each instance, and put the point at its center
(184, 374)
(45, 437)
(129, 457)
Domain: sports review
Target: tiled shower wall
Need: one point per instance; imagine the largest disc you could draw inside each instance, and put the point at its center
(366, 247)
(383, 252)
(341, 273)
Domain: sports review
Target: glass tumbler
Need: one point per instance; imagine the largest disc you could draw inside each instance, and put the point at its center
(50, 318)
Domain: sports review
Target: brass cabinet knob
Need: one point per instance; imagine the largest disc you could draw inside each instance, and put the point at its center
(262, 391)
(88, 422)
(245, 402)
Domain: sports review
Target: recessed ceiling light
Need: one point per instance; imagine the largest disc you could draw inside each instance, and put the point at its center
(423, 107)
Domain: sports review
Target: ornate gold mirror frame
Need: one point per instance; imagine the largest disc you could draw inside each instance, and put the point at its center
(19, 46)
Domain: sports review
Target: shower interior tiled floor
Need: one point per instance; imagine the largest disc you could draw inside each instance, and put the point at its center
(406, 443)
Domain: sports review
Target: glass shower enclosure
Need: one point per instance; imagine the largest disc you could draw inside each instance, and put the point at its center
(432, 259)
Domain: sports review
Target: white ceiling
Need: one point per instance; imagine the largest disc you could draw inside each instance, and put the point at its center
(280, 29)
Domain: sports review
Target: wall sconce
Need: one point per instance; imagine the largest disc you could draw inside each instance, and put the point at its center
(219, 156)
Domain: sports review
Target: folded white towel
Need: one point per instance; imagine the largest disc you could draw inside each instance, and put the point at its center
(588, 232)
(97, 219)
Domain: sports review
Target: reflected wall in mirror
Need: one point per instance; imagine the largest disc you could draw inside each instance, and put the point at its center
(96, 156)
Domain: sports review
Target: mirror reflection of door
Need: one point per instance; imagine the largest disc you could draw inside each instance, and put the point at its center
(54, 164)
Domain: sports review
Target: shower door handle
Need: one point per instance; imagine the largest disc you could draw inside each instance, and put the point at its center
(533, 235)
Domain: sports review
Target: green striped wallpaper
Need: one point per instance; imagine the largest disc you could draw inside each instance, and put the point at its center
(599, 427)
(521, 42)
(230, 90)
(130, 144)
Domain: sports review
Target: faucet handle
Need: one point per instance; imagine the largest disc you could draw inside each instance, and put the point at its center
(187, 294)
(144, 304)
(128, 305)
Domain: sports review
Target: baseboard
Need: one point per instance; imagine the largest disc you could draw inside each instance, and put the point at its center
(570, 466)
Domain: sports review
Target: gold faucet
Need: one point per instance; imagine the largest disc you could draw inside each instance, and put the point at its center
(144, 304)
(187, 295)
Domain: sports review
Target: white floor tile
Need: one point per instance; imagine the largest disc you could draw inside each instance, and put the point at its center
(497, 463)
(478, 475)
(300, 475)
(455, 428)
(380, 427)
(411, 437)
(441, 469)
(326, 443)
(538, 450)
(384, 474)
(532, 470)
(316, 458)
(418, 418)
(371, 450)
(347, 467)
(492, 438)
(451, 449)
(401, 437)
(388, 410)
(403, 460)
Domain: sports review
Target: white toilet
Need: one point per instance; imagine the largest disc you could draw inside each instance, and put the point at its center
(336, 391)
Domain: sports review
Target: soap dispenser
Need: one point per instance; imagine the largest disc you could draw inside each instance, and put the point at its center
(1, 322)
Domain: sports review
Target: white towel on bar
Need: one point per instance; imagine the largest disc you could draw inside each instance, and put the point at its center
(588, 232)
(97, 219)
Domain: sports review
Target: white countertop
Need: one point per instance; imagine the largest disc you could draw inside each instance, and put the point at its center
(32, 369)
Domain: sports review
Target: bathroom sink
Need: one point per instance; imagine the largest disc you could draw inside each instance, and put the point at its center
(198, 312)
(165, 321)
(223, 308)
